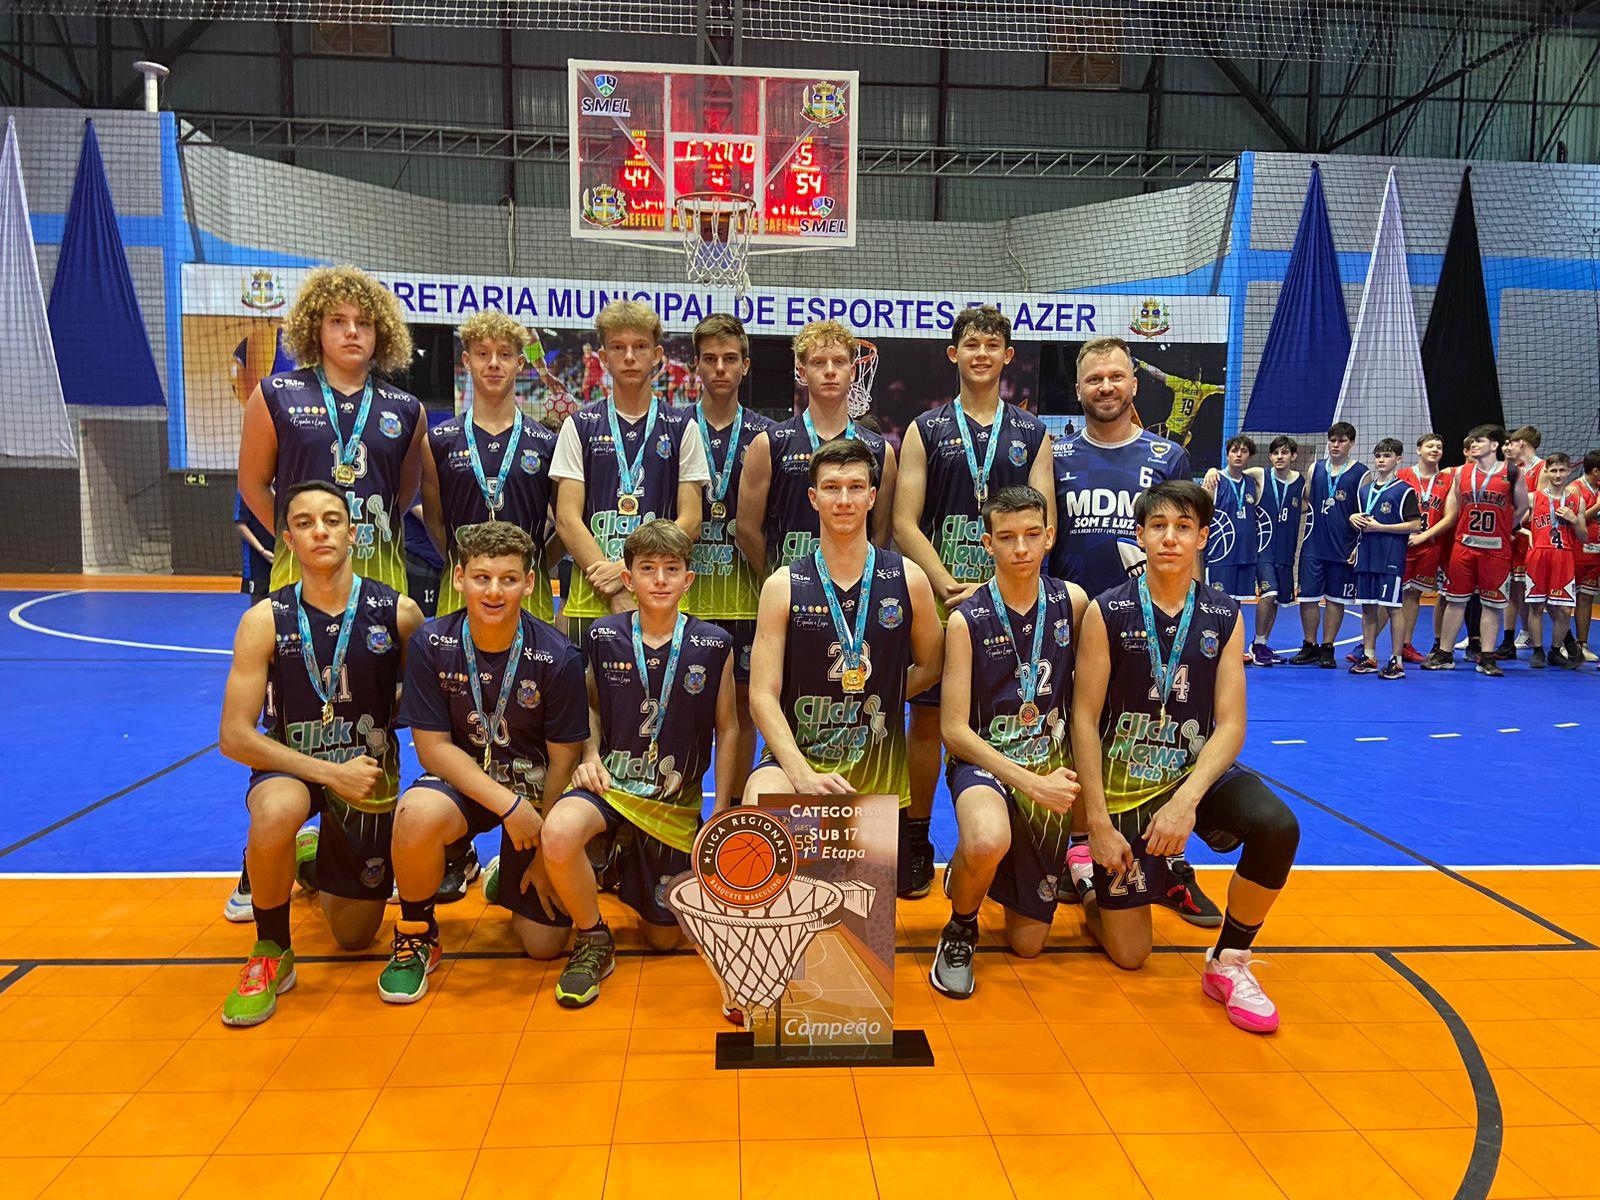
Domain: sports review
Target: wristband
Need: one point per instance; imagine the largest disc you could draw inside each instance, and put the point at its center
(506, 816)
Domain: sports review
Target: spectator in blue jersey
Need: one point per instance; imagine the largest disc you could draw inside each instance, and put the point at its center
(1327, 575)
(1098, 475)
(256, 565)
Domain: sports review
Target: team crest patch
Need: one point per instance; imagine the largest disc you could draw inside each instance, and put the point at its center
(1063, 631)
(372, 872)
(1208, 643)
(664, 446)
(1047, 888)
(530, 462)
(378, 640)
(744, 658)
(694, 680)
(1018, 454)
(890, 613)
(528, 694)
(1339, 495)
(1159, 449)
(389, 423)
(661, 890)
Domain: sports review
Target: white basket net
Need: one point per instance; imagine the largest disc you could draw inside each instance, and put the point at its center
(866, 370)
(716, 238)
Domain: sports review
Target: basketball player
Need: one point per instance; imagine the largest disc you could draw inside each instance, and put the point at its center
(726, 590)
(1552, 581)
(620, 461)
(1487, 502)
(1158, 719)
(1282, 495)
(319, 665)
(1389, 514)
(639, 782)
(1007, 697)
(953, 458)
(1098, 474)
(1426, 549)
(777, 523)
(594, 374)
(1232, 546)
(1521, 448)
(494, 697)
(1583, 498)
(1326, 574)
(1187, 397)
(491, 463)
(331, 420)
(833, 664)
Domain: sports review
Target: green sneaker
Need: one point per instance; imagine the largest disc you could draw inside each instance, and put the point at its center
(305, 857)
(491, 881)
(413, 959)
(267, 974)
(594, 956)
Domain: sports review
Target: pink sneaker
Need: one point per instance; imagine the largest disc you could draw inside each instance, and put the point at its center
(1227, 980)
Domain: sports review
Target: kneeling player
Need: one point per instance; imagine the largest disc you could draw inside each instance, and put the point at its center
(494, 697)
(1158, 719)
(639, 783)
(1004, 705)
(320, 661)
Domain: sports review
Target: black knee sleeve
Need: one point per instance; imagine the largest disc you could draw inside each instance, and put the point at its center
(1243, 811)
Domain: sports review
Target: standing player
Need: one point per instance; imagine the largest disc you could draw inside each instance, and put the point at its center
(319, 664)
(1326, 576)
(725, 588)
(331, 420)
(833, 664)
(494, 697)
(1487, 503)
(622, 460)
(1552, 524)
(594, 374)
(1187, 397)
(953, 459)
(1158, 720)
(1521, 449)
(1389, 515)
(1232, 543)
(1426, 550)
(1098, 474)
(777, 523)
(1007, 697)
(659, 683)
(1282, 495)
(1583, 498)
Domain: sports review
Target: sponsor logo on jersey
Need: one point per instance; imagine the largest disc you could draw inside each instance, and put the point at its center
(694, 680)
(890, 613)
(1158, 450)
(378, 640)
(389, 423)
(1151, 319)
(286, 381)
(603, 632)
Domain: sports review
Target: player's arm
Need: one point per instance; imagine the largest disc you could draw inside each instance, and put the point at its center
(1452, 512)
(432, 504)
(1519, 499)
(1090, 677)
(1153, 371)
(693, 475)
(258, 460)
(1410, 517)
(728, 765)
(910, 494)
(755, 478)
(1571, 510)
(766, 693)
(1042, 478)
(240, 738)
(248, 537)
(1173, 822)
(927, 639)
(883, 507)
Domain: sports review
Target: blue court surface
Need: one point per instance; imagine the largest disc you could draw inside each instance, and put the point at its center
(109, 704)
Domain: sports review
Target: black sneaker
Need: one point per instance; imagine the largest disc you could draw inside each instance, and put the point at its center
(951, 973)
(1563, 657)
(1394, 669)
(1186, 899)
(1325, 658)
(1308, 655)
(1507, 649)
(1440, 660)
(1536, 660)
(458, 873)
(1364, 666)
(1488, 666)
(1474, 649)
(594, 956)
(921, 871)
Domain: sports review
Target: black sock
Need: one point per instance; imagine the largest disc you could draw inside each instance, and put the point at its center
(272, 924)
(967, 921)
(918, 827)
(420, 910)
(1235, 935)
(598, 927)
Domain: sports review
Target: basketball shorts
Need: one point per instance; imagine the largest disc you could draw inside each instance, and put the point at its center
(1424, 567)
(1477, 572)
(1551, 577)
(352, 847)
(1326, 579)
(1233, 579)
(743, 634)
(1519, 558)
(1378, 587)
(1025, 880)
(1586, 568)
(1276, 580)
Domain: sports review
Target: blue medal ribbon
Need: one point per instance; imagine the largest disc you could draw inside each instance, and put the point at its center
(308, 650)
(344, 471)
(630, 476)
(849, 650)
(1241, 493)
(1374, 494)
(1166, 674)
(980, 479)
(490, 727)
(660, 719)
(1027, 672)
(494, 495)
(1280, 497)
(811, 430)
(1333, 481)
(723, 475)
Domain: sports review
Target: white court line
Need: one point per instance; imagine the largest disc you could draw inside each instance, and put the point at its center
(1444, 735)
(1513, 729)
(1566, 724)
(18, 619)
(1372, 739)
(1289, 741)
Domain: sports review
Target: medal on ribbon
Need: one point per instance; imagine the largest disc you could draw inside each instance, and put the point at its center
(490, 724)
(658, 722)
(494, 491)
(723, 475)
(1029, 670)
(980, 477)
(852, 650)
(344, 468)
(1164, 674)
(308, 651)
(630, 476)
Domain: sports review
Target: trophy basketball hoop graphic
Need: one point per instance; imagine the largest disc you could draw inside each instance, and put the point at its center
(801, 955)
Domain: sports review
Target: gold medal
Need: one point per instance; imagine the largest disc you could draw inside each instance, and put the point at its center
(854, 679)
(344, 474)
(327, 712)
(651, 753)
(488, 749)
(1028, 714)
(627, 504)
(719, 510)
(1162, 719)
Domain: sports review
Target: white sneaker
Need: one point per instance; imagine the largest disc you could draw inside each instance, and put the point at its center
(1589, 655)
(238, 908)
(1227, 980)
(1523, 640)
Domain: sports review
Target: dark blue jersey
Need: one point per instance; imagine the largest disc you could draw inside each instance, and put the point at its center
(725, 587)
(791, 525)
(662, 797)
(861, 735)
(1095, 489)
(1236, 524)
(950, 519)
(1142, 759)
(364, 697)
(1332, 499)
(1392, 503)
(253, 565)
(1281, 505)
(549, 701)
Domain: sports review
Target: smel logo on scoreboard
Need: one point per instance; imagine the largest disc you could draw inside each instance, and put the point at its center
(605, 104)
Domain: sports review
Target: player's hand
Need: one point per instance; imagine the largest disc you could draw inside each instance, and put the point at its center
(1109, 848)
(355, 778)
(1210, 483)
(605, 577)
(1057, 791)
(1565, 513)
(524, 826)
(1360, 520)
(537, 878)
(957, 592)
(591, 775)
(1416, 539)
(814, 783)
(1169, 830)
